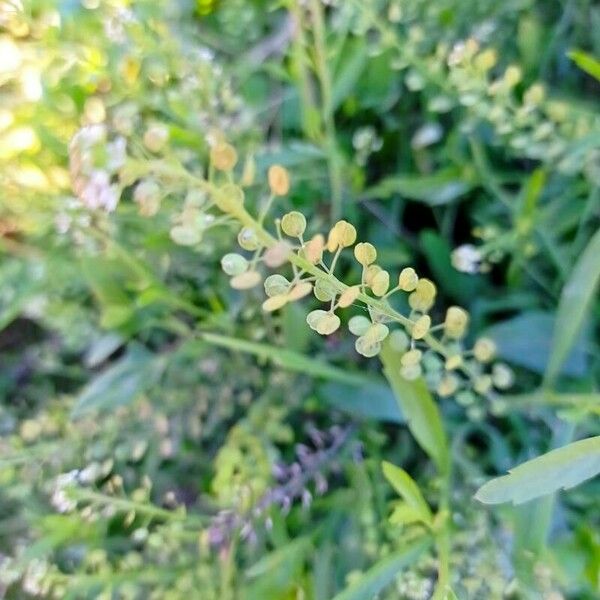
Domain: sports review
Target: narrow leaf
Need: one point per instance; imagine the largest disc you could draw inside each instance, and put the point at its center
(406, 486)
(562, 468)
(575, 303)
(382, 573)
(586, 62)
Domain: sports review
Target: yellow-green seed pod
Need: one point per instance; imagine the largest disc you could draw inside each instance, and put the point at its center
(324, 291)
(512, 75)
(486, 60)
(302, 289)
(275, 303)
(423, 297)
(408, 279)
(342, 234)
(456, 322)
(359, 324)
(348, 296)
(370, 273)
(279, 180)
(421, 327)
(323, 322)
(453, 362)
(365, 253)
(367, 347)
(380, 283)
(502, 376)
(246, 280)
(484, 350)
(276, 285)
(447, 385)
(293, 223)
(411, 372)
(229, 198)
(248, 240)
(411, 358)
(185, 235)
(482, 384)
(399, 340)
(234, 264)
(223, 156)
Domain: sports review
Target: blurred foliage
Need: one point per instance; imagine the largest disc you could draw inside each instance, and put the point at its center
(163, 437)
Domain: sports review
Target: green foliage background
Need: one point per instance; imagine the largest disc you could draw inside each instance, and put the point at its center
(128, 361)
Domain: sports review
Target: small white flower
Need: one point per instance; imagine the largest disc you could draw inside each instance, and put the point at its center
(467, 259)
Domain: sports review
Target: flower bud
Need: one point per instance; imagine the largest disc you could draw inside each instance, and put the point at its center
(234, 264)
(279, 180)
(293, 224)
(365, 253)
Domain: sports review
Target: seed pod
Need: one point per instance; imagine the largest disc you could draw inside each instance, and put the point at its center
(314, 316)
(412, 357)
(370, 273)
(229, 198)
(502, 376)
(484, 350)
(482, 384)
(408, 279)
(455, 324)
(293, 224)
(377, 332)
(365, 253)
(349, 296)
(421, 327)
(411, 372)
(448, 385)
(156, 137)
(399, 340)
(248, 240)
(234, 264)
(367, 347)
(275, 302)
(423, 297)
(342, 234)
(453, 362)
(246, 280)
(279, 180)
(300, 291)
(276, 255)
(359, 325)
(323, 322)
(276, 285)
(313, 249)
(325, 291)
(223, 156)
(380, 283)
(185, 235)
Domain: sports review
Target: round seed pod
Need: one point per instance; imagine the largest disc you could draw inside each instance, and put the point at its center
(324, 291)
(275, 303)
(502, 376)
(313, 249)
(448, 385)
(359, 324)
(293, 223)
(365, 253)
(276, 255)
(300, 291)
(411, 372)
(377, 332)
(342, 234)
(411, 358)
(323, 322)
(279, 180)
(399, 340)
(482, 384)
(421, 327)
(185, 235)
(408, 279)
(453, 362)
(248, 240)
(367, 347)
(246, 280)
(314, 316)
(234, 264)
(276, 285)
(423, 297)
(380, 283)
(484, 350)
(456, 322)
(349, 295)
(223, 156)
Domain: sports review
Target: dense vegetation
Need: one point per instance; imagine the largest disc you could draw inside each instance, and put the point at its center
(288, 288)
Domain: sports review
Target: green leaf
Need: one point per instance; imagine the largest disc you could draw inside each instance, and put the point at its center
(516, 336)
(440, 188)
(353, 61)
(372, 400)
(558, 469)
(575, 303)
(420, 410)
(121, 383)
(586, 62)
(383, 573)
(408, 489)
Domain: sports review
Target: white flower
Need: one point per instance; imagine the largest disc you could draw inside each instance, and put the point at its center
(467, 258)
